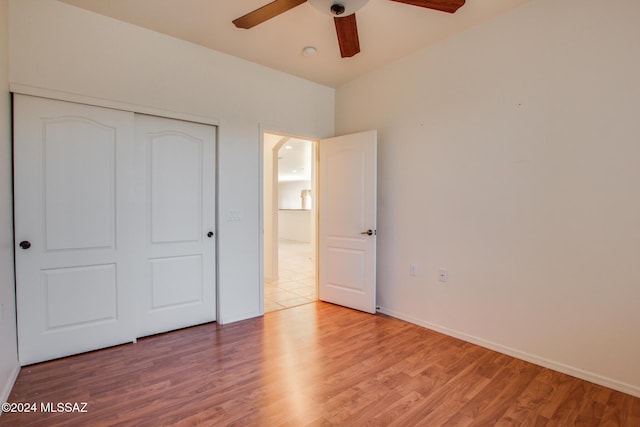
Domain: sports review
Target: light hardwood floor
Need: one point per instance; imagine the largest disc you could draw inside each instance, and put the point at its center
(315, 364)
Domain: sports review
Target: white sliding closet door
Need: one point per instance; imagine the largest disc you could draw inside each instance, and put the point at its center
(178, 289)
(75, 281)
(114, 226)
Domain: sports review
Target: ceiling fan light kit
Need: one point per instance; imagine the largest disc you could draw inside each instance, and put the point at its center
(343, 13)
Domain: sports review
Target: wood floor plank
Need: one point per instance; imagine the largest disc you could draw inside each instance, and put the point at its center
(525, 410)
(312, 365)
(488, 406)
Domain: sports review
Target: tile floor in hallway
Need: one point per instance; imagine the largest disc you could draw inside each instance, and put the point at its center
(296, 284)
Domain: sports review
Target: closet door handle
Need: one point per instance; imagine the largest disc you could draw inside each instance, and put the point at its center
(25, 244)
(210, 234)
(368, 232)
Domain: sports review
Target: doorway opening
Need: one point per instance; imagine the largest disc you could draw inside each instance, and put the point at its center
(290, 214)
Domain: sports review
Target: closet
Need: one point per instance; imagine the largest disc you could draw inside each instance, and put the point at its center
(114, 226)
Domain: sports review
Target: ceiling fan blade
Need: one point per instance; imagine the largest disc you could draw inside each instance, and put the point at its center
(347, 32)
(443, 5)
(266, 12)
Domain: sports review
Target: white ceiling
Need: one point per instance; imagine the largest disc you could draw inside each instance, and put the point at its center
(294, 157)
(387, 30)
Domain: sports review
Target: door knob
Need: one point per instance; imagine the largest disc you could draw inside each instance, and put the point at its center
(368, 232)
(25, 244)
(210, 234)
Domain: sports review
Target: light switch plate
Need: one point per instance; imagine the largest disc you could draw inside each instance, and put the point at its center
(413, 270)
(234, 215)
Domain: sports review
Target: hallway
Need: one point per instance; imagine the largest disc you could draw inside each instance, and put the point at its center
(296, 284)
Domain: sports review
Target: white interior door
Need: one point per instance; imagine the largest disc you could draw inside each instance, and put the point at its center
(178, 204)
(74, 284)
(114, 226)
(347, 220)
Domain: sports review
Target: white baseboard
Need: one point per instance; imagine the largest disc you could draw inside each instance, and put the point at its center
(541, 361)
(6, 390)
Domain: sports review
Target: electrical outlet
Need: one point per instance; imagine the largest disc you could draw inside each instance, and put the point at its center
(443, 275)
(413, 270)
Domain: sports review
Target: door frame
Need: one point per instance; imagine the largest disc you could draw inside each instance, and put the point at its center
(275, 197)
(274, 191)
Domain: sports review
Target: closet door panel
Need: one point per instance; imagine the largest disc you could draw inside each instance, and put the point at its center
(179, 251)
(74, 273)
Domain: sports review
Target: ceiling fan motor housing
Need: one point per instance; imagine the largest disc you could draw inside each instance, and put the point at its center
(338, 7)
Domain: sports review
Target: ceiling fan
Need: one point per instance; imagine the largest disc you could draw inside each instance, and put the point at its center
(343, 12)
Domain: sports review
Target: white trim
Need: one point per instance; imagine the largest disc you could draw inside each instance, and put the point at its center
(217, 226)
(275, 204)
(107, 103)
(532, 358)
(261, 277)
(6, 391)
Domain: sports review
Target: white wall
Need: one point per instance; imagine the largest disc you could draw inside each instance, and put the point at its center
(8, 343)
(289, 193)
(295, 224)
(66, 49)
(510, 155)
